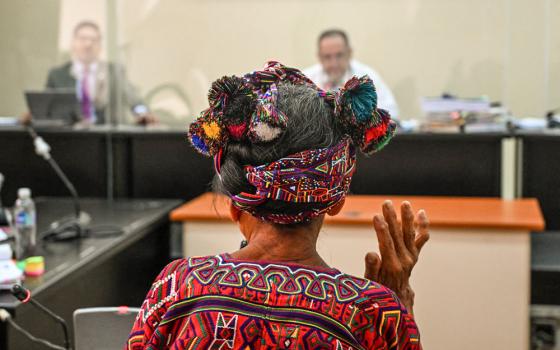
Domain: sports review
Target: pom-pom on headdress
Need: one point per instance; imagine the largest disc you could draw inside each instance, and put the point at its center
(231, 101)
(245, 110)
(355, 104)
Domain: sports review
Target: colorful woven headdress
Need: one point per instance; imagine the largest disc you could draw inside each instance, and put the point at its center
(319, 177)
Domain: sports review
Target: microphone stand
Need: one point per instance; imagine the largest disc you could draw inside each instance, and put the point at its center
(69, 228)
(3, 216)
(24, 295)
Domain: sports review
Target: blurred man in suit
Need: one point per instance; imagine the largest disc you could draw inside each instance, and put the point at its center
(337, 66)
(100, 86)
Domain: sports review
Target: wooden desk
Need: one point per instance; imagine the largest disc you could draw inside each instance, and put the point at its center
(473, 280)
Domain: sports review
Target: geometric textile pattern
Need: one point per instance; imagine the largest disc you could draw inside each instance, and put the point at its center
(219, 302)
(321, 176)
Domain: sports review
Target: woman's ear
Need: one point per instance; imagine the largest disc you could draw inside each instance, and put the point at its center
(234, 212)
(334, 210)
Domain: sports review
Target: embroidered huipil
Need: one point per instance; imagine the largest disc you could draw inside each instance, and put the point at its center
(218, 302)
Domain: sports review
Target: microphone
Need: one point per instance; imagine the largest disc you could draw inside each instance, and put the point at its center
(24, 295)
(75, 226)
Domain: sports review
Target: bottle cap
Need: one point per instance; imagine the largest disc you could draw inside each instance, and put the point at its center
(24, 193)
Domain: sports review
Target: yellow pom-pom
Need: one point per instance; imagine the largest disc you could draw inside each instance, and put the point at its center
(212, 130)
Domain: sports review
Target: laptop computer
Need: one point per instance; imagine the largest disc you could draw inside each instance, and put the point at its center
(53, 107)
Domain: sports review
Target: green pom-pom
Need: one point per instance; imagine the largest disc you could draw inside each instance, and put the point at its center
(363, 100)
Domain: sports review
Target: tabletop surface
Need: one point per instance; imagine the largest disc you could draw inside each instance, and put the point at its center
(133, 217)
(457, 212)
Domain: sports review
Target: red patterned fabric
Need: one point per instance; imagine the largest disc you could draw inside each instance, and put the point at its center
(217, 302)
(321, 176)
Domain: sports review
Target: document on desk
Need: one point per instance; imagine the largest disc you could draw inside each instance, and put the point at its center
(9, 272)
(446, 105)
(5, 249)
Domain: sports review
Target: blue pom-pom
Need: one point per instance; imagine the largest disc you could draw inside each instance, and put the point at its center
(363, 100)
(199, 144)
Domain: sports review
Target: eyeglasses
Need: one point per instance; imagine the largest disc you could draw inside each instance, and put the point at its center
(87, 38)
(338, 56)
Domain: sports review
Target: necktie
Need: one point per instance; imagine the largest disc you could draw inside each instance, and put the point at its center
(86, 98)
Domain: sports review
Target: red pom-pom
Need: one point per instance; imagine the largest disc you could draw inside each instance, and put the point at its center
(237, 131)
(375, 132)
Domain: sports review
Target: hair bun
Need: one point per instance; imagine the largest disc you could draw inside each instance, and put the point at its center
(356, 109)
(234, 101)
(226, 89)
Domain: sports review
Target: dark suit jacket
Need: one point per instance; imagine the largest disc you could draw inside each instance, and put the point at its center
(113, 90)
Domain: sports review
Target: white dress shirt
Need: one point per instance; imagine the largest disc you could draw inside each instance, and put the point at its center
(385, 98)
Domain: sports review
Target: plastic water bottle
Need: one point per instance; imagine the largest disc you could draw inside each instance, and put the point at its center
(25, 224)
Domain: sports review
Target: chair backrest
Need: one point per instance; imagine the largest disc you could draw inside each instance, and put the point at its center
(102, 327)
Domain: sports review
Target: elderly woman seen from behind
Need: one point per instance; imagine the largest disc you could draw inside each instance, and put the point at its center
(284, 152)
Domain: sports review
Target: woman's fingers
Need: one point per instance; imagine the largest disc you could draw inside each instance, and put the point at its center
(423, 230)
(386, 244)
(373, 266)
(409, 233)
(395, 229)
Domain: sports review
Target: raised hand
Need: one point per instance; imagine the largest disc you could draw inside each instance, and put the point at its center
(399, 245)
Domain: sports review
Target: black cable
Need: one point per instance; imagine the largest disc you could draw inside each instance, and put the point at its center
(67, 228)
(24, 295)
(33, 338)
(5, 316)
(56, 318)
(102, 231)
(97, 231)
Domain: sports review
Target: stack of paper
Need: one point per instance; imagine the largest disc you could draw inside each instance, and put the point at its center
(451, 104)
(9, 272)
(473, 114)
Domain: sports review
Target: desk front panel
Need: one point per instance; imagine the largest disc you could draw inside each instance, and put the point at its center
(541, 175)
(433, 165)
(82, 156)
(167, 166)
(472, 286)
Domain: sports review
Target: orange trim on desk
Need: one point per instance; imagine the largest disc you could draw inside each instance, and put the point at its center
(458, 212)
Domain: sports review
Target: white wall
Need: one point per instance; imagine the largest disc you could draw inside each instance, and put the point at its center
(508, 50)
(420, 47)
(28, 34)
